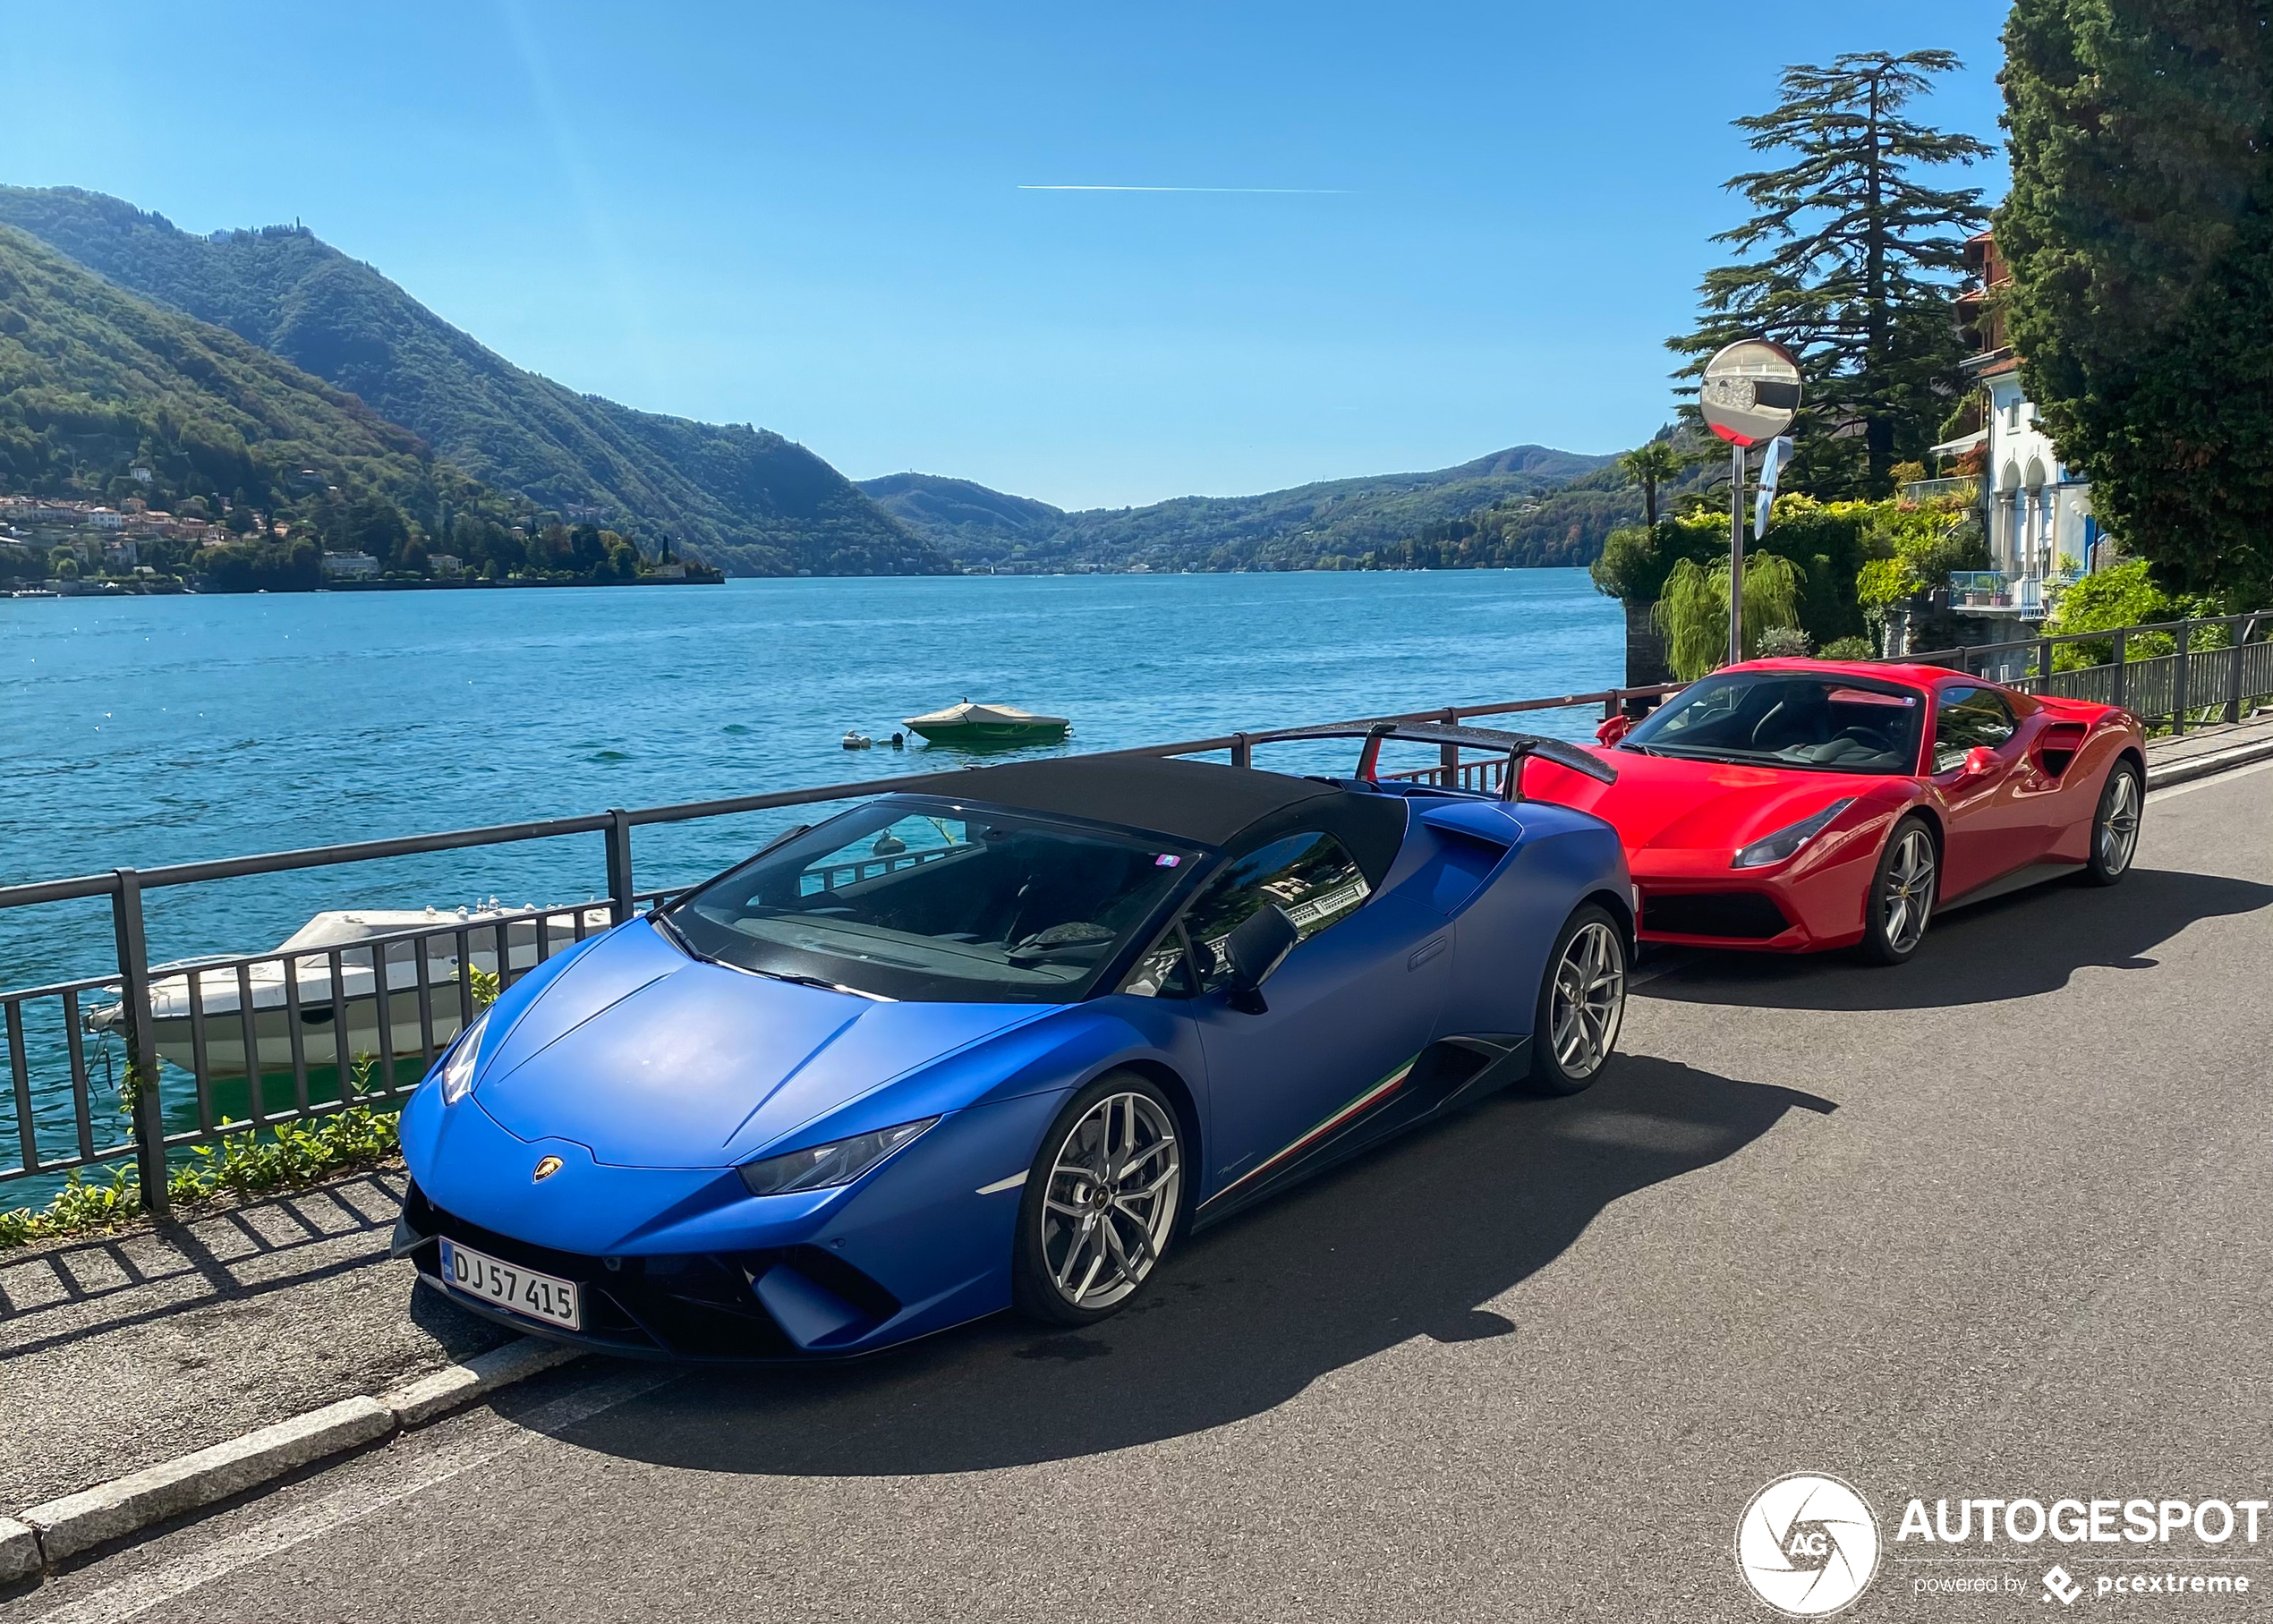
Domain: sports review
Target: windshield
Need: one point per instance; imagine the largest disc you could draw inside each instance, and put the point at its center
(941, 904)
(1783, 718)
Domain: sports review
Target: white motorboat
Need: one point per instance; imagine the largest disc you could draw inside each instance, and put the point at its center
(199, 1003)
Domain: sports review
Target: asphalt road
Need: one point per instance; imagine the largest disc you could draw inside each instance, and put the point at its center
(1997, 1224)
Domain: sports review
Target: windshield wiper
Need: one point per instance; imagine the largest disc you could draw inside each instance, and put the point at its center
(662, 922)
(826, 986)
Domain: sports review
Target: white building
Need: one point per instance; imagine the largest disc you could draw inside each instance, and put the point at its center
(350, 567)
(2037, 510)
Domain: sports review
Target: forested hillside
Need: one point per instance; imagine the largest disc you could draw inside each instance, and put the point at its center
(93, 380)
(745, 497)
(1332, 523)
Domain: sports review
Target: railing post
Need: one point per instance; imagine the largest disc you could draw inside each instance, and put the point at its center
(2117, 697)
(2043, 664)
(148, 1110)
(2178, 677)
(1449, 755)
(2236, 631)
(619, 865)
(1242, 753)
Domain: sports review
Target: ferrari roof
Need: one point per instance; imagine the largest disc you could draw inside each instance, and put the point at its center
(1197, 801)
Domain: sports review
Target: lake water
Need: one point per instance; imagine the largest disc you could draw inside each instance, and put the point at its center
(142, 731)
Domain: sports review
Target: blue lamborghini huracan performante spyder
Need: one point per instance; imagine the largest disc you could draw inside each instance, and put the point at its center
(1003, 1044)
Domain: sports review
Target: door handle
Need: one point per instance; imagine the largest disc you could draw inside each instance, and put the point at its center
(1426, 951)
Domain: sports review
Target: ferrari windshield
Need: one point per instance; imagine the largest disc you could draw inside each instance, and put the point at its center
(1820, 723)
(938, 902)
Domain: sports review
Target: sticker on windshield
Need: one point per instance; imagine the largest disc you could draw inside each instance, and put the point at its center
(1166, 860)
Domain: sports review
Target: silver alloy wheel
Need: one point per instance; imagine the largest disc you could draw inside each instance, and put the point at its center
(1908, 899)
(1112, 1200)
(1588, 1000)
(2119, 827)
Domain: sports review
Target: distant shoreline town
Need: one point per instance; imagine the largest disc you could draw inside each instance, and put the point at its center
(54, 546)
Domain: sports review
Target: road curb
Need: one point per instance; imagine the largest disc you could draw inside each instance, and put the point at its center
(416, 1403)
(18, 1550)
(2203, 766)
(47, 1534)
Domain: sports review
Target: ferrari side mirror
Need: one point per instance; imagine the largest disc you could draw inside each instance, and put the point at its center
(1979, 761)
(1255, 950)
(1617, 727)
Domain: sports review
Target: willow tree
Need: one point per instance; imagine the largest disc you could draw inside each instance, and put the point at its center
(1849, 260)
(2140, 234)
(1693, 611)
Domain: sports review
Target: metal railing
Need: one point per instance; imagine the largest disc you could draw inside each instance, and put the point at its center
(2183, 688)
(241, 1043)
(237, 1044)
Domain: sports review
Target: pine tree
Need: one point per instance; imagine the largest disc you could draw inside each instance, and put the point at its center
(1849, 260)
(2139, 236)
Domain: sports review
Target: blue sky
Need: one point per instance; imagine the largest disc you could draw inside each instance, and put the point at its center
(811, 217)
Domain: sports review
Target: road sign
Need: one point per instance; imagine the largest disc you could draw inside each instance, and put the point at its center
(1750, 392)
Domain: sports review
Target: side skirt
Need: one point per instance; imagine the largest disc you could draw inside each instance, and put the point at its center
(2019, 879)
(1449, 1073)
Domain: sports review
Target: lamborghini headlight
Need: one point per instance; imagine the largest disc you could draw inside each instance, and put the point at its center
(825, 1165)
(458, 1069)
(1787, 841)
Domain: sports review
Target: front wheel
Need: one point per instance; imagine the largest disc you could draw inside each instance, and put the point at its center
(1902, 894)
(1583, 1003)
(2114, 826)
(1102, 1202)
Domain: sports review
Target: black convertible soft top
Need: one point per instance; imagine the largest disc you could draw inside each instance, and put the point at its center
(1235, 808)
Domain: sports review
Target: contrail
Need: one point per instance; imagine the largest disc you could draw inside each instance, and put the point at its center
(1277, 191)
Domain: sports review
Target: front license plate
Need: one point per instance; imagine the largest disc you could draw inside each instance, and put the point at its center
(541, 1297)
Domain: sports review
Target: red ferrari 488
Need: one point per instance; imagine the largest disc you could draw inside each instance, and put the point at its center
(1793, 805)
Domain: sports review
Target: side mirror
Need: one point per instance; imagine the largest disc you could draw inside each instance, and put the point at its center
(1979, 762)
(1617, 727)
(1255, 950)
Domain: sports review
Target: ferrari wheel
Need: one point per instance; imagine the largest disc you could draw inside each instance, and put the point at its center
(1902, 894)
(1101, 1201)
(1582, 1000)
(2115, 827)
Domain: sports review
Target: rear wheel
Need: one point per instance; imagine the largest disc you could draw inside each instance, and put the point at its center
(1583, 1003)
(1102, 1202)
(1902, 894)
(2115, 827)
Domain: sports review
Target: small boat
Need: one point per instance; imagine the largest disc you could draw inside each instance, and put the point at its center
(354, 936)
(855, 739)
(970, 724)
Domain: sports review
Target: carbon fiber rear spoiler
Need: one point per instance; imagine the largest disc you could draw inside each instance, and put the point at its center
(1518, 746)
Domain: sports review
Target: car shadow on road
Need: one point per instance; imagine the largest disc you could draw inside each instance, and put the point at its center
(2028, 942)
(1416, 1240)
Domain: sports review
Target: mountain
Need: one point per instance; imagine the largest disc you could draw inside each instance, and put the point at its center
(745, 497)
(94, 381)
(1332, 524)
(963, 518)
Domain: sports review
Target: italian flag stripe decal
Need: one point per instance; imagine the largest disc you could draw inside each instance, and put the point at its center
(1380, 1090)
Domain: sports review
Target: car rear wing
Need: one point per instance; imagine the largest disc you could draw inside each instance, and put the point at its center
(1518, 747)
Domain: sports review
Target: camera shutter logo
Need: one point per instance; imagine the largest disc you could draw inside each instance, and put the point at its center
(1808, 1545)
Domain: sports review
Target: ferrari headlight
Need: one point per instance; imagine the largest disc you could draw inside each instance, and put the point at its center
(1786, 842)
(458, 1069)
(825, 1165)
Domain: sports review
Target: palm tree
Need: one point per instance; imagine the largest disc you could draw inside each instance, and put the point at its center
(1649, 466)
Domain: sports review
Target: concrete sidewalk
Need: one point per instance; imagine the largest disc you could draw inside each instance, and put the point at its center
(117, 1352)
(2200, 751)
